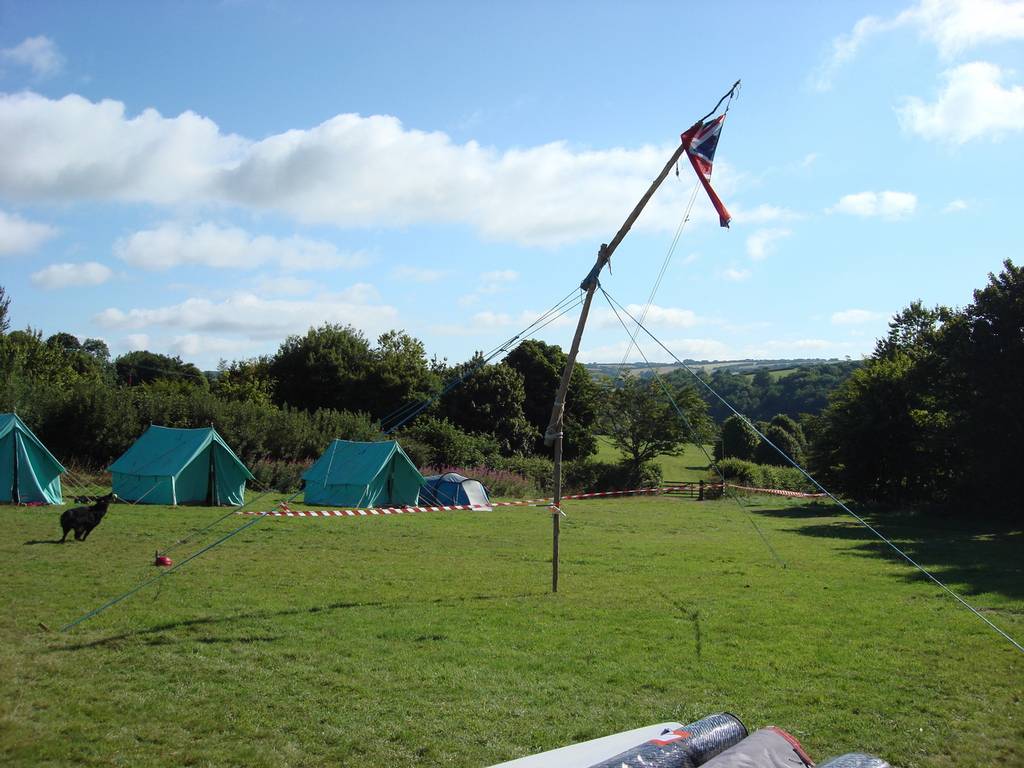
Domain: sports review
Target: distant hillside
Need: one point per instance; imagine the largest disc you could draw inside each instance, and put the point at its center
(709, 366)
(757, 388)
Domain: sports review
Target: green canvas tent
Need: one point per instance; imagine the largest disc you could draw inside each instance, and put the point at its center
(28, 472)
(180, 466)
(363, 475)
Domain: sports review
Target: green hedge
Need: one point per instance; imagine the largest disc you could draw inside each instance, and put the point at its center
(763, 476)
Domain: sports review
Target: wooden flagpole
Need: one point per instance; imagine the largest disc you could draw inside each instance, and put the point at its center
(554, 432)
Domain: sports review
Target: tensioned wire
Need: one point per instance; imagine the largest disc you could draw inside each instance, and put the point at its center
(405, 413)
(633, 343)
(661, 274)
(561, 307)
(822, 488)
(696, 437)
(166, 572)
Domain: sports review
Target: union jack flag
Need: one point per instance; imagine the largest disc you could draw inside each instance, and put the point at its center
(700, 143)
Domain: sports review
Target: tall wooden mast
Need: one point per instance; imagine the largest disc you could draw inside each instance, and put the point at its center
(556, 425)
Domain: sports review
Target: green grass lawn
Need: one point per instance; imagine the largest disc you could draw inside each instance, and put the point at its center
(691, 464)
(433, 640)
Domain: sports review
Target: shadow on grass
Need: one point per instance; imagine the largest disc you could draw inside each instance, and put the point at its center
(974, 556)
(144, 634)
(42, 541)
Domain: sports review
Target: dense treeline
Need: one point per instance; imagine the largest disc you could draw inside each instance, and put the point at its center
(286, 407)
(935, 416)
(761, 396)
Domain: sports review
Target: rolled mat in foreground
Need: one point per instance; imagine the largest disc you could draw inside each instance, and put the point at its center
(767, 748)
(855, 760)
(686, 747)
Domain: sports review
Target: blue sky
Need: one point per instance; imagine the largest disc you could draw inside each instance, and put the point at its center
(205, 179)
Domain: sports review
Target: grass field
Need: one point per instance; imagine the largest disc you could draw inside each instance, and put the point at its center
(691, 464)
(432, 640)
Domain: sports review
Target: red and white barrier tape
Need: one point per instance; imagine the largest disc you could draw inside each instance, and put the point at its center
(372, 511)
(777, 492)
(285, 511)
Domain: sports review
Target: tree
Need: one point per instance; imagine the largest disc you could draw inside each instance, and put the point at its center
(325, 368)
(5, 304)
(142, 367)
(65, 342)
(245, 381)
(490, 401)
(881, 437)
(984, 375)
(97, 348)
(644, 424)
(738, 440)
(398, 374)
(541, 367)
(788, 436)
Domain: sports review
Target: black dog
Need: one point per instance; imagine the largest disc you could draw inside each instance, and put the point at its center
(82, 520)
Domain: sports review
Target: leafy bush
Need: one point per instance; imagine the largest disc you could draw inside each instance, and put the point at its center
(538, 470)
(739, 471)
(440, 443)
(748, 473)
(279, 475)
(586, 475)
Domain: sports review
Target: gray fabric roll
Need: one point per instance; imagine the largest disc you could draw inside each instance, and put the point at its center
(766, 748)
(855, 760)
(686, 747)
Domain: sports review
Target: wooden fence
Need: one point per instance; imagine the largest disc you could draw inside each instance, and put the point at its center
(692, 489)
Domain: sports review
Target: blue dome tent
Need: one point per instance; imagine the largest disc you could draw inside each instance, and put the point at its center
(453, 489)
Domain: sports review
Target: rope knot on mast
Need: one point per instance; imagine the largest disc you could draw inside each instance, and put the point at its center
(590, 282)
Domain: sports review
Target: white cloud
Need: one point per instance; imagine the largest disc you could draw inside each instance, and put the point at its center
(39, 54)
(254, 317)
(482, 323)
(762, 242)
(172, 245)
(18, 235)
(845, 47)
(75, 149)
(736, 275)
(135, 341)
(855, 317)
(799, 348)
(492, 282)
(955, 206)
(953, 26)
(72, 275)
(417, 274)
(887, 205)
(197, 345)
(283, 285)
(348, 171)
(973, 104)
(662, 317)
(488, 283)
(762, 214)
